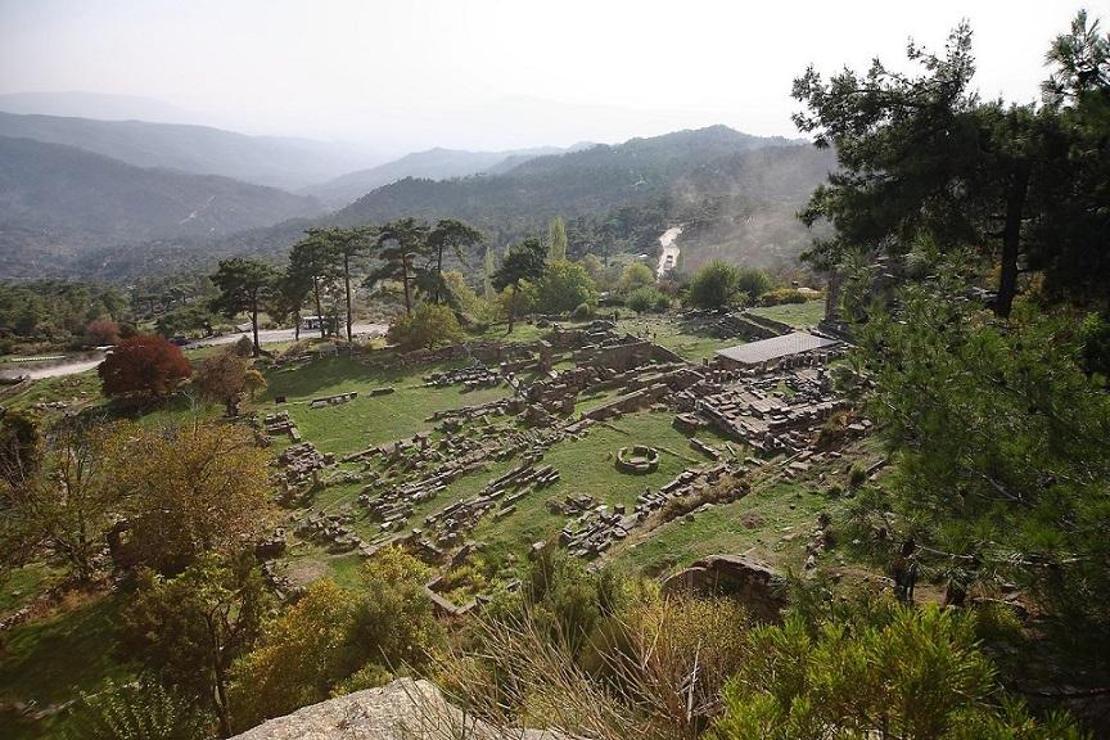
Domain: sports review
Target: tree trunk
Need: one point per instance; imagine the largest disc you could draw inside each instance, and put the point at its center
(405, 281)
(439, 271)
(319, 309)
(1011, 240)
(256, 350)
(347, 286)
(512, 308)
(297, 324)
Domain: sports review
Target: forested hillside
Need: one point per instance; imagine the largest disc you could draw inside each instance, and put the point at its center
(59, 202)
(434, 164)
(735, 192)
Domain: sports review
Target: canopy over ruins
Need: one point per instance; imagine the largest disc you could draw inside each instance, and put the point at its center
(765, 350)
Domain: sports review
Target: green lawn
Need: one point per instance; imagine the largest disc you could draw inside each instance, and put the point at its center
(367, 420)
(666, 332)
(50, 660)
(19, 585)
(795, 314)
(587, 466)
(757, 523)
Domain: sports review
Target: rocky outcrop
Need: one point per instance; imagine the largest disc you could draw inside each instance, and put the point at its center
(750, 582)
(402, 710)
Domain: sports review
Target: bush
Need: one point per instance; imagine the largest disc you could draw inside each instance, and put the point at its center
(902, 672)
(716, 285)
(636, 276)
(301, 656)
(431, 325)
(143, 366)
(137, 711)
(583, 312)
(780, 296)
(753, 283)
(563, 287)
(102, 331)
(643, 300)
(857, 474)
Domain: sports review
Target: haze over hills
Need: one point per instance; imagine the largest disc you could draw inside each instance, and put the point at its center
(433, 164)
(737, 193)
(274, 161)
(102, 106)
(58, 203)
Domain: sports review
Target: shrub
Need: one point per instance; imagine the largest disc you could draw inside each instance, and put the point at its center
(636, 276)
(302, 654)
(643, 300)
(753, 283)
(102, 331)
(857, 474)
(564, 286)
(716, 285)
(137, 711)
(902, 672)
(780, 296)
(430, 325)
(583, 312)
(145, 365)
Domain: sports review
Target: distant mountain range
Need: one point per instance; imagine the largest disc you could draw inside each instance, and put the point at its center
(116, 199)
(434, 164)
(264, 160)
(59, 203)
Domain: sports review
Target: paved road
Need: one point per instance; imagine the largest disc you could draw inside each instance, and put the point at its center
(88, 361)
(275, 336)
(666, 241)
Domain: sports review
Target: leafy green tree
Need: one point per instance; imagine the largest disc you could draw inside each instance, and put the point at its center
(489, 267)
(243, 284)
(563, 286)
(345, 245)
(192, 490)
(922, 154)
(557, 240)
(999, 438)
(915, 674)
(312, 262)
(430, 325)
(635, 276)
(65, 505)
(291, 290)
(399, 243)
(524, 262)
(453, 235)
(753, 283)
(716, 285)
(21, 446)
(300, 657)
(190, 629)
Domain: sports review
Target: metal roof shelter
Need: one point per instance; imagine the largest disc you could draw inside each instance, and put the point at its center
(794, 343)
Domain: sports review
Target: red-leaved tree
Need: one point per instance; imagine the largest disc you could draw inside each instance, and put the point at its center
(144, 365)
(101, 331)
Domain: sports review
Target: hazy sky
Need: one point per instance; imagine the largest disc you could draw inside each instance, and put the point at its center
(408, 74)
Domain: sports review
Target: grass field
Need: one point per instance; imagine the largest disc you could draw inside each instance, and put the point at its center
(367, 420)
(587, 466)
(666, 332)
(51, 660)
(795, 314)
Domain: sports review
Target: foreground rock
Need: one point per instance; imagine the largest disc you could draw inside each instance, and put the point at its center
(754, 584)
(402, 710)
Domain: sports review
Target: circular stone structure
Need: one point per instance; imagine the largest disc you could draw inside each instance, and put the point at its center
(638, 459)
